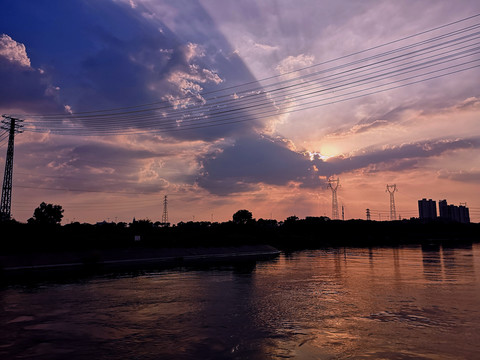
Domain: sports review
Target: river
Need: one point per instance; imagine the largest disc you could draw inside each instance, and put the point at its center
(380, 303)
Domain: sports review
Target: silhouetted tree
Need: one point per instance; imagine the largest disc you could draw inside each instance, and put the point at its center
(291, 220)
(47, 214)
(267, 222)
(141, 225)
(242, 217)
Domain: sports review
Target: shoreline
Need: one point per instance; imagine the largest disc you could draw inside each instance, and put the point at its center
(129, 258)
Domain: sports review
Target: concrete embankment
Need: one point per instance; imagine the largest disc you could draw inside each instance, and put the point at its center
(127, 258)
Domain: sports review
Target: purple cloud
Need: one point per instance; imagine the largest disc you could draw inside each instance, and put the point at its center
(253, 160)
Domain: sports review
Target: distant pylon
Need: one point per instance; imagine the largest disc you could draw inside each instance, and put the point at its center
(165, 212)
(12, 125)
(333, 184)
(391, 190)
(368, 215)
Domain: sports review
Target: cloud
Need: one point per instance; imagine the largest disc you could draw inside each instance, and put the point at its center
(379, 117)
(187, 82)
(78, 166)
(266, 47)
(68, 109)
(361, 128)
(13, 51)
(126, 61)
(470, 104)
(23, 87)
(472, 177)
(254, 160)
(293, 63)
(400, 157)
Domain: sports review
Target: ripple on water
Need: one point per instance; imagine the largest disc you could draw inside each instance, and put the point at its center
(21, 319)
(413, 317)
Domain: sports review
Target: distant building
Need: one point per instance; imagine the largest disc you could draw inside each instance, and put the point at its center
(453, 213)
(464, 214)
(427, 209)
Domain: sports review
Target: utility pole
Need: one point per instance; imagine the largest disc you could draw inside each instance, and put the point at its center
(368, 215)
(343, 213)
(12, 125)
(333, 184)
(391, 189)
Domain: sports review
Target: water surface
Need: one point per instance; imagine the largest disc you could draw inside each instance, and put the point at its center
(381, 303)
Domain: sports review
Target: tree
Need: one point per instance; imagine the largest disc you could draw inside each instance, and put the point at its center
(290, 220)
(242, 217)
(47, 214)
(141, 225)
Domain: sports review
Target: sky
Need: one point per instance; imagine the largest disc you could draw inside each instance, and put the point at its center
(229, 105)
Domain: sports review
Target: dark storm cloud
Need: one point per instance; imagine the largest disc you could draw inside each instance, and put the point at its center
(251, 161)
(25, 88)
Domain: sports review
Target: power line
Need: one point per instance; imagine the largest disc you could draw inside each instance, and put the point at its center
(274, 100)
(293, 71)
(264, 89)
(303, 84)
(224, 121)
(395, 71)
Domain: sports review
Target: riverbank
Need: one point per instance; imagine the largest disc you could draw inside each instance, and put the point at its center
(124, 259)
(311, 232)
(85, 248)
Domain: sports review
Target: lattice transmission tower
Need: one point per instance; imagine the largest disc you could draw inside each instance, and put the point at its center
(13, 126)
(391, 189)
(333, 184)
(165, 211)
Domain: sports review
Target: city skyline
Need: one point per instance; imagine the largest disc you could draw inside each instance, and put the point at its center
(87, 57)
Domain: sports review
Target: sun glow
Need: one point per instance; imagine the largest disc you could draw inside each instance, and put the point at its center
(316, 155)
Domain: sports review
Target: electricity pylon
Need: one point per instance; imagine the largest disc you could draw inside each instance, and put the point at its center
(333, 184)
(165, 212)
(12, 125)
(391, 189)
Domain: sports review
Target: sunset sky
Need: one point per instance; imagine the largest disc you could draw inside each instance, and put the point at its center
(228, 105)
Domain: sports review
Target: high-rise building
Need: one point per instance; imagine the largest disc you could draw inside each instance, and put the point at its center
(427, 209)
(464, 214)
(443, 209)
(453, 213)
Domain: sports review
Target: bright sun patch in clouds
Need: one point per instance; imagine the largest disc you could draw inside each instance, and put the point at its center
(316, 155)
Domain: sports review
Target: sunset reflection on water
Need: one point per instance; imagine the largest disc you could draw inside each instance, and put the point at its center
(381, 303)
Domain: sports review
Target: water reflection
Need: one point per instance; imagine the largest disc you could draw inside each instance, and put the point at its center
(412, 302)
(432, 263)
(448, 263)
